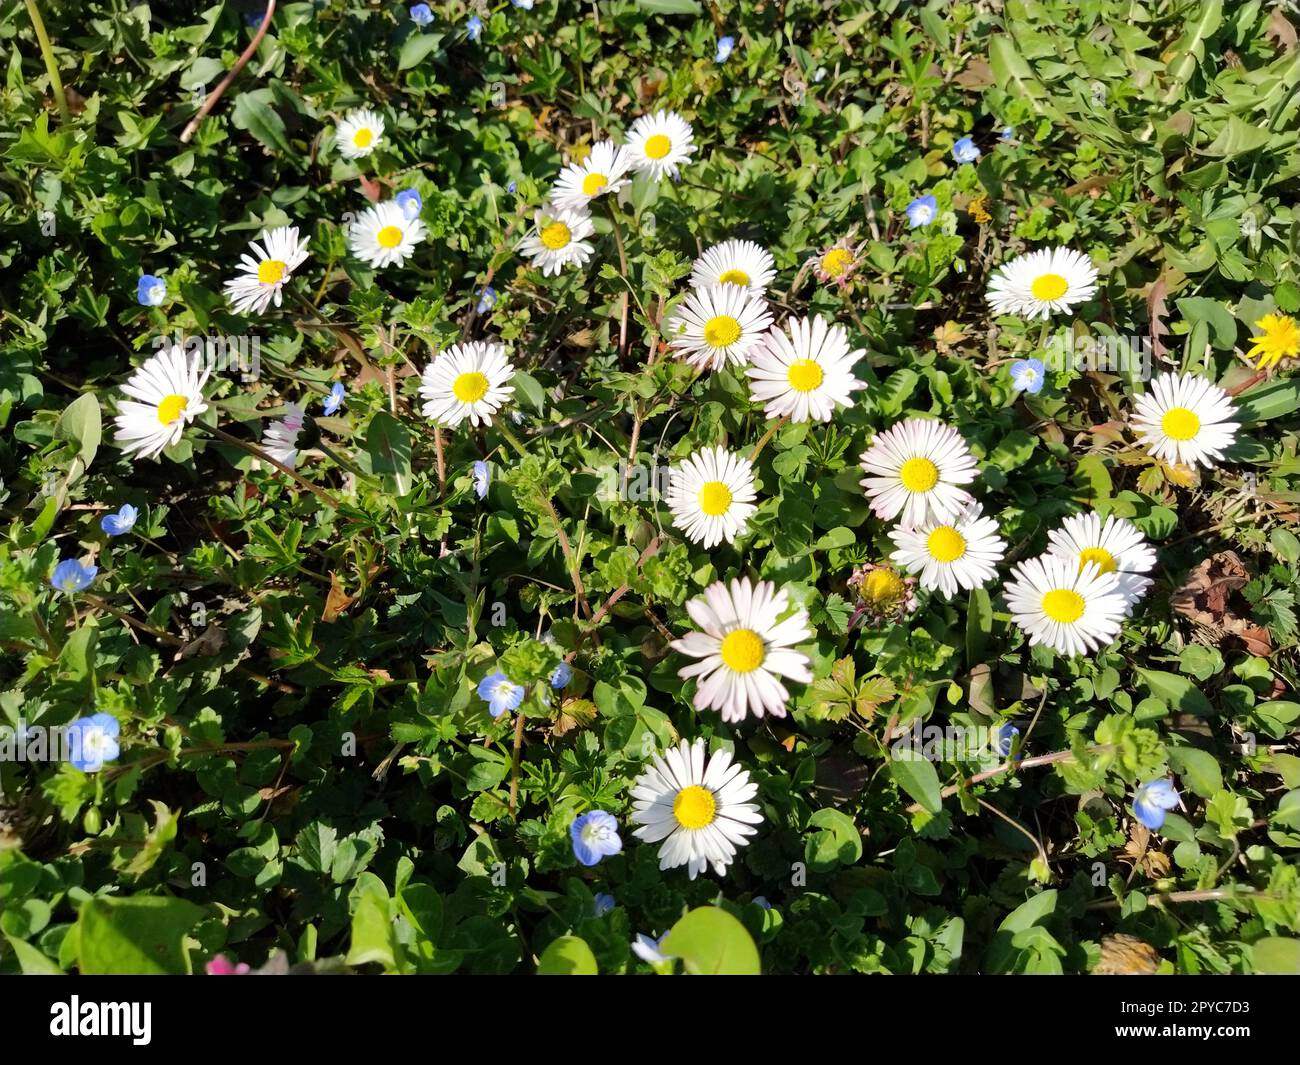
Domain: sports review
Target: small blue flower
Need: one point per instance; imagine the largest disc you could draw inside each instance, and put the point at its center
(648, 951)
(1027, 375)
(411, 204)
(474, 27)
(253, 19)
(1006, 134)
(150, 291)
(512, 187)
(121, 522)
(335, 399)
(726, 45)
(527, 5)
(762, 903)
(964, 151)
(603, 903)
(71, 576)
(482, 476)
(92, 741)
(921, 211)
(1004, 738)
(1153, 800)
(561, 675)
(595, 836)
(421, 14)
(500, 693)
(487, 299)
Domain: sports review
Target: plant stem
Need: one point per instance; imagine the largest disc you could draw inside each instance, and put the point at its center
(762, 441)
(51, 67)
(211, 101)
(257, 452)
(622, 269)
(516, 757)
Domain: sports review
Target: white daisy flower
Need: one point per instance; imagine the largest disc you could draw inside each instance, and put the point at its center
(165, 395)
(603, 171)
(1042, 283)
(359, 133)
(718, 325)
(558, 239)
(744, 649)
(280, 440)
(1185, 419)
(711, 495)
(266, 270)
(660, 143)
(806, 372)
(735, 262)
(913, 469)
(699, 806)
(1113, 545)
(467, 381)
(384, 235)
(1071, 610)
(961, 553)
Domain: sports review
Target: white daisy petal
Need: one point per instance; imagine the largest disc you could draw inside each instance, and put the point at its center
(558, 238)
(266, 271)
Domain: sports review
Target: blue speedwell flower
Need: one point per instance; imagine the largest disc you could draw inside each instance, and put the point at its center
(482, 475)
(726, 45)
(527, 5)
(474, 27)
(121, 522)
(501, 693)
(921, 211)
(648, 949)
(1027, 375)
(561, 675)
(512, 187)
(1153, 800)
(487, 299)
(92, 741)
(71, 576)
(1005, 738)
(411, 204)
(602, 904)
(1007, 133)
(595, 836)
(335, 399)
(964, 151)
(150, 291)
(421, 14)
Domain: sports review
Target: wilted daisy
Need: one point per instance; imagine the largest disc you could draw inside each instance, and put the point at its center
(558, 239)
(604, 170)
(735, 262)
(266, 270)
(913, 470)
(164, 396)
(962, 553)
(660, 143)
(385, 235)
(883, 595)
(467, 381)
(1071, 610)
(1185, 418)
(804, 370)
(717, 325)
(1113, 545)
(699, 806)
(743, 649)
(1279, 339)
(1042, 283)
(711, 495)
(359, 134)
(280, 440)
(836, 264)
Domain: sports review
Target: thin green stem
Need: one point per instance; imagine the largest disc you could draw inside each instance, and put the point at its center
(51, 67)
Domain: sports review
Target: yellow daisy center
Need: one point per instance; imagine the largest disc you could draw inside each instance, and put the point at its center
(721, 331)
(593, 183)
(1063, 605)
(470, 387)
(945, 544)
(734, 277)
(363, 137)
(743, 651)
(1047, 287)
(1099, 557)
(882, 587)
(556, 235)
(804, 375)
(695, 807)
(171, 408)
(1179, 423)
(715, 498)
(919, 475)
(1280, 340)
(836, 261)
(389, 237)
(271, 271)
(658, 146)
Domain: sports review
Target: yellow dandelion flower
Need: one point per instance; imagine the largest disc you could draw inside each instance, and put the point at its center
(1279, 339)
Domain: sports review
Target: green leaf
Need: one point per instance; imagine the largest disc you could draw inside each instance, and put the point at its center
(567, 956)
(135, 935)
(1238, 137)
(374, 939)
(670, 7)
(1276, 956)
(838, 842)
(1177, 692)
(1199, 770)
(81, 424)
(1269, 401)
(254, 113)
(415, 48)
(388, 443)
(709, 941)
(918, 777)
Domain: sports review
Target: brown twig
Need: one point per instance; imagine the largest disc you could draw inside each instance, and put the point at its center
(219, 91)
